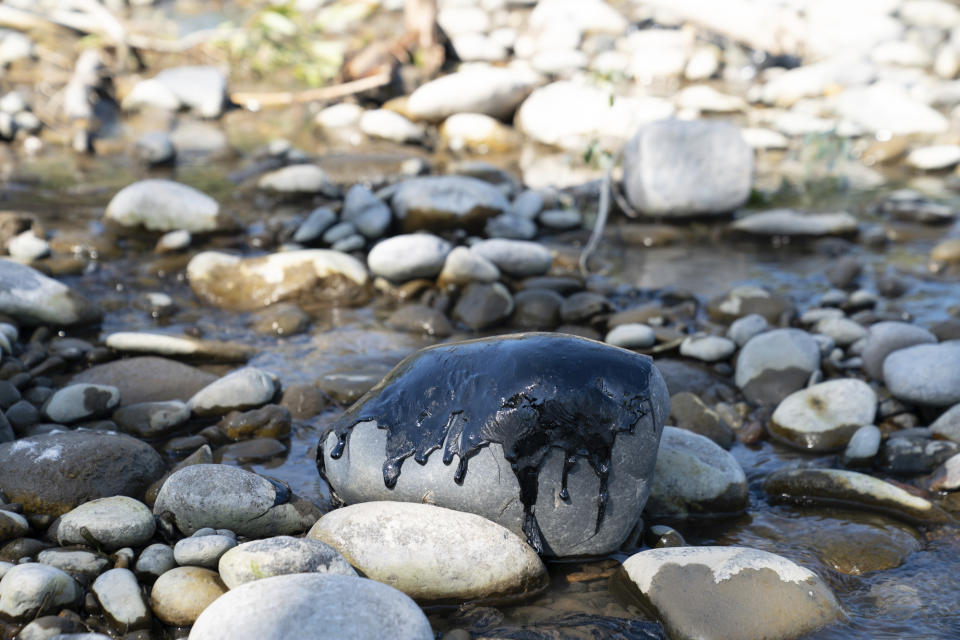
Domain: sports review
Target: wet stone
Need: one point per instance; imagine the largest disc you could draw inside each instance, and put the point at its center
(304, 401)
(202, 551)
(748, 300)
(863, 446)
(517, 258)
(690, 413)
(776, 363)
(695, 477)
(914, 456)
(147, 379)
(312, 607)
(559, 516)
(418, 318)
(431, 553)
(536, 309)
(250, 451)
(580, 308)
(81, 402)
(446, 202)
(347, 385)
(825, 416)
(282, 319)
(851, 489)
(883, 338)
(482, 306)
(55, 472)
(271, 421)
(109, 523)
(151, 419)
(280, 555)
(30, 297)
(725, 592)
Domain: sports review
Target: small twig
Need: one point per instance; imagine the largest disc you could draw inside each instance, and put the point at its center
(603, 212)
(254, 100)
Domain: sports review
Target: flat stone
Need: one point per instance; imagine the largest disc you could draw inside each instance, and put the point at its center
(926, 374)
(446, 202)
(55, 472)
(885, 106)
(110, 523)
(632, 335)
(163, 205)
(883, 338)
(727, 592)
(695, 477)
(120, 598)
(206, 495)
(517, 258)
(242, 389)
(30, 297)
(409, 256)
(180, 595)
(492, 91)
(310, 275)
(32, 589)
(312, 607)
(202, 551)
(83, 565)
(280, 555)
(298, 179)
(851, 489)
(411, 548)
(684, 168)
(789, 222)
(707, 348)
(776, 363)
(177, 346)
(825, 416)
(81, 402)
(934, 157)
(147, 379)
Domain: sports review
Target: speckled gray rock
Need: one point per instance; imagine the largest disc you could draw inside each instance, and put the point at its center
(707, 348)
(312, 607)
(926, 374)
(409, 256)
(370, 215)
(54, 472)
(206, 495)
(431, 553)
(202, 551)
(242, 389)
(883, 338)
(632, 335)
(280, 555)
(446, 202)
(154, 561)
(151, 419)
(30, 297)
(825, 416)
(678, 168)
(32, 589)
(122, 602)
(517, 258)
(163, 205)
(464, 266)
(742, 329)
(81, 402)
(114, 522)
(776, 363)
(77, 562)
(694, 476)
(728, 592)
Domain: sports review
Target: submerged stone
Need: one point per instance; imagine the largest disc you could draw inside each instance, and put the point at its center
(567, 425)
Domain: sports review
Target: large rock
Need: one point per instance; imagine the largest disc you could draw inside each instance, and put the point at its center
(163, 205)
(312, 607)
(926, 374)
(493, 91)
(147, 379)
(222, 497)
(728, 592)
(825, 416)
(30, 297)
(883, 338)
(409, 256)
(774, 364)
(317, 276)
(446, 202)
(684, 168)
(54, 472)
(573, 116)
(431, 553)
(611, 405)
(695, 477)
(280, 555)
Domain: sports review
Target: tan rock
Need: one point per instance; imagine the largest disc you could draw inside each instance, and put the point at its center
(180, 595)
